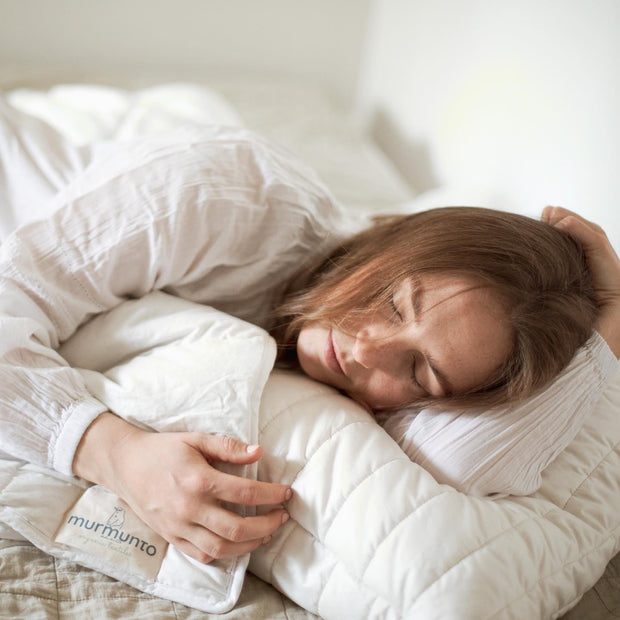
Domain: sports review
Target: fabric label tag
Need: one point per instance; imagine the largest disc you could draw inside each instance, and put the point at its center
(103, 525)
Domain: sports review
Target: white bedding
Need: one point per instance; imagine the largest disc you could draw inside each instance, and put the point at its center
(372, 535)
(382, 538)
(87, 116)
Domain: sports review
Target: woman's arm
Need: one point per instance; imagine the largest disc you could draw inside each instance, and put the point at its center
(168, 479)
(209, 216)
(604, 266)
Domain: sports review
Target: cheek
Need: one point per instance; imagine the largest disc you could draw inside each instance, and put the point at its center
(308, 349)
(382, 391)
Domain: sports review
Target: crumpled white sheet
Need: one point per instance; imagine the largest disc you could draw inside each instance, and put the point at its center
(47, 138)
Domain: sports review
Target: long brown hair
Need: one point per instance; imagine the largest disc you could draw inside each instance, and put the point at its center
(539, 272)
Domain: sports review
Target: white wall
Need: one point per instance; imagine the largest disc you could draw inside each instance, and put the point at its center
(518, 100)
(318, 40)
(514, 101)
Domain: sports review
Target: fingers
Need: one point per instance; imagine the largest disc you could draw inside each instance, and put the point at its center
(218, 549)
(553, 215)
(185, 506)
(215, 532)
(228, 488)
(227, 449)
(237, 529)
(227, 534)
(233, 489)
(590, 235)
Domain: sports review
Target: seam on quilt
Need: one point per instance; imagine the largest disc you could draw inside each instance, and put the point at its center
(485, 545)
(283, 542)
(360, 580)
(338, 561)
(357, 485)
(562, 568)
(324, 583)
(284, 410)
(393, 529)
(323, 443)
(612, 450)
(315, 395)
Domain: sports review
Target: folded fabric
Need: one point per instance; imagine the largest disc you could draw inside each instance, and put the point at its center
(161, 363)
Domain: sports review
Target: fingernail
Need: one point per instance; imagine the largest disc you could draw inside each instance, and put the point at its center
(288, 494)
(285, 517)
(252, 448)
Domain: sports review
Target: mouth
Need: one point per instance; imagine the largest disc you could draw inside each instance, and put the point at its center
(331, 358)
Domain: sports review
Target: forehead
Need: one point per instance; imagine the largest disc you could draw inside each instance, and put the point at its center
(462, 324)
(444, 291)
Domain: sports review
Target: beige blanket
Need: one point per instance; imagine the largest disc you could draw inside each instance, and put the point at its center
(35, 585)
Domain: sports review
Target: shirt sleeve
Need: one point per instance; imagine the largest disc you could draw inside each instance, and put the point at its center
(504, 451)
(218, 216)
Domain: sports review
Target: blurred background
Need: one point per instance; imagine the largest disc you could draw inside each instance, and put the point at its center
(513, 105)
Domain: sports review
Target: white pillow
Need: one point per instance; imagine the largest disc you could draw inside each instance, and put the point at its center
(88, 113)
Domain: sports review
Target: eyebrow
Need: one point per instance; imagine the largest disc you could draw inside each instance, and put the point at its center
(416, 300)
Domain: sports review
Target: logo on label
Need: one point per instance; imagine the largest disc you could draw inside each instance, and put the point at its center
(112, 530)
(117, 518)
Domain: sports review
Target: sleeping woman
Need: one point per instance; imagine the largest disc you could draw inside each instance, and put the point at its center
(456, 309)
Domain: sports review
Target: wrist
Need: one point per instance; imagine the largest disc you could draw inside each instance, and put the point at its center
(97, 454)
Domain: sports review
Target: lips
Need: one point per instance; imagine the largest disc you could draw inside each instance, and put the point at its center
(331, 360)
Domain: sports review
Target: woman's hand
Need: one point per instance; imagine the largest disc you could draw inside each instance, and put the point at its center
(604, 266)
(169, 482)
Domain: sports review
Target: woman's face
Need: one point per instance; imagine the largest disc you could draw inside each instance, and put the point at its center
(445, 335)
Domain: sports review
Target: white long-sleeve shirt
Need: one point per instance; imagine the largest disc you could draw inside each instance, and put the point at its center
(220, 216)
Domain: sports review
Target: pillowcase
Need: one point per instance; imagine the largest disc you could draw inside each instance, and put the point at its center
(504, 451)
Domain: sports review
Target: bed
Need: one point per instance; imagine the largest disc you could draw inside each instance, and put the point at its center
(562, 538)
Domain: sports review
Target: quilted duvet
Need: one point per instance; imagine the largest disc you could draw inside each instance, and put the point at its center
(372, 535)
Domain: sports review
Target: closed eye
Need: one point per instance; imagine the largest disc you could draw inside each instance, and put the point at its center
(395, 310)
(415, 379)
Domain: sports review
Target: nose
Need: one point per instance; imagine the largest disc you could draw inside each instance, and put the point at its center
(375, 348)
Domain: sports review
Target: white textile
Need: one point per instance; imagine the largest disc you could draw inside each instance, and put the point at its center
(504, 451)
(371, 534)
(222, 217)
(215, 215)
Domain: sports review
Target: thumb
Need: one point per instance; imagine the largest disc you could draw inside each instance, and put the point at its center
(228, 449)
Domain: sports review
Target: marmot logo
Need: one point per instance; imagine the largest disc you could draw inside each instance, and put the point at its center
(117, 518)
